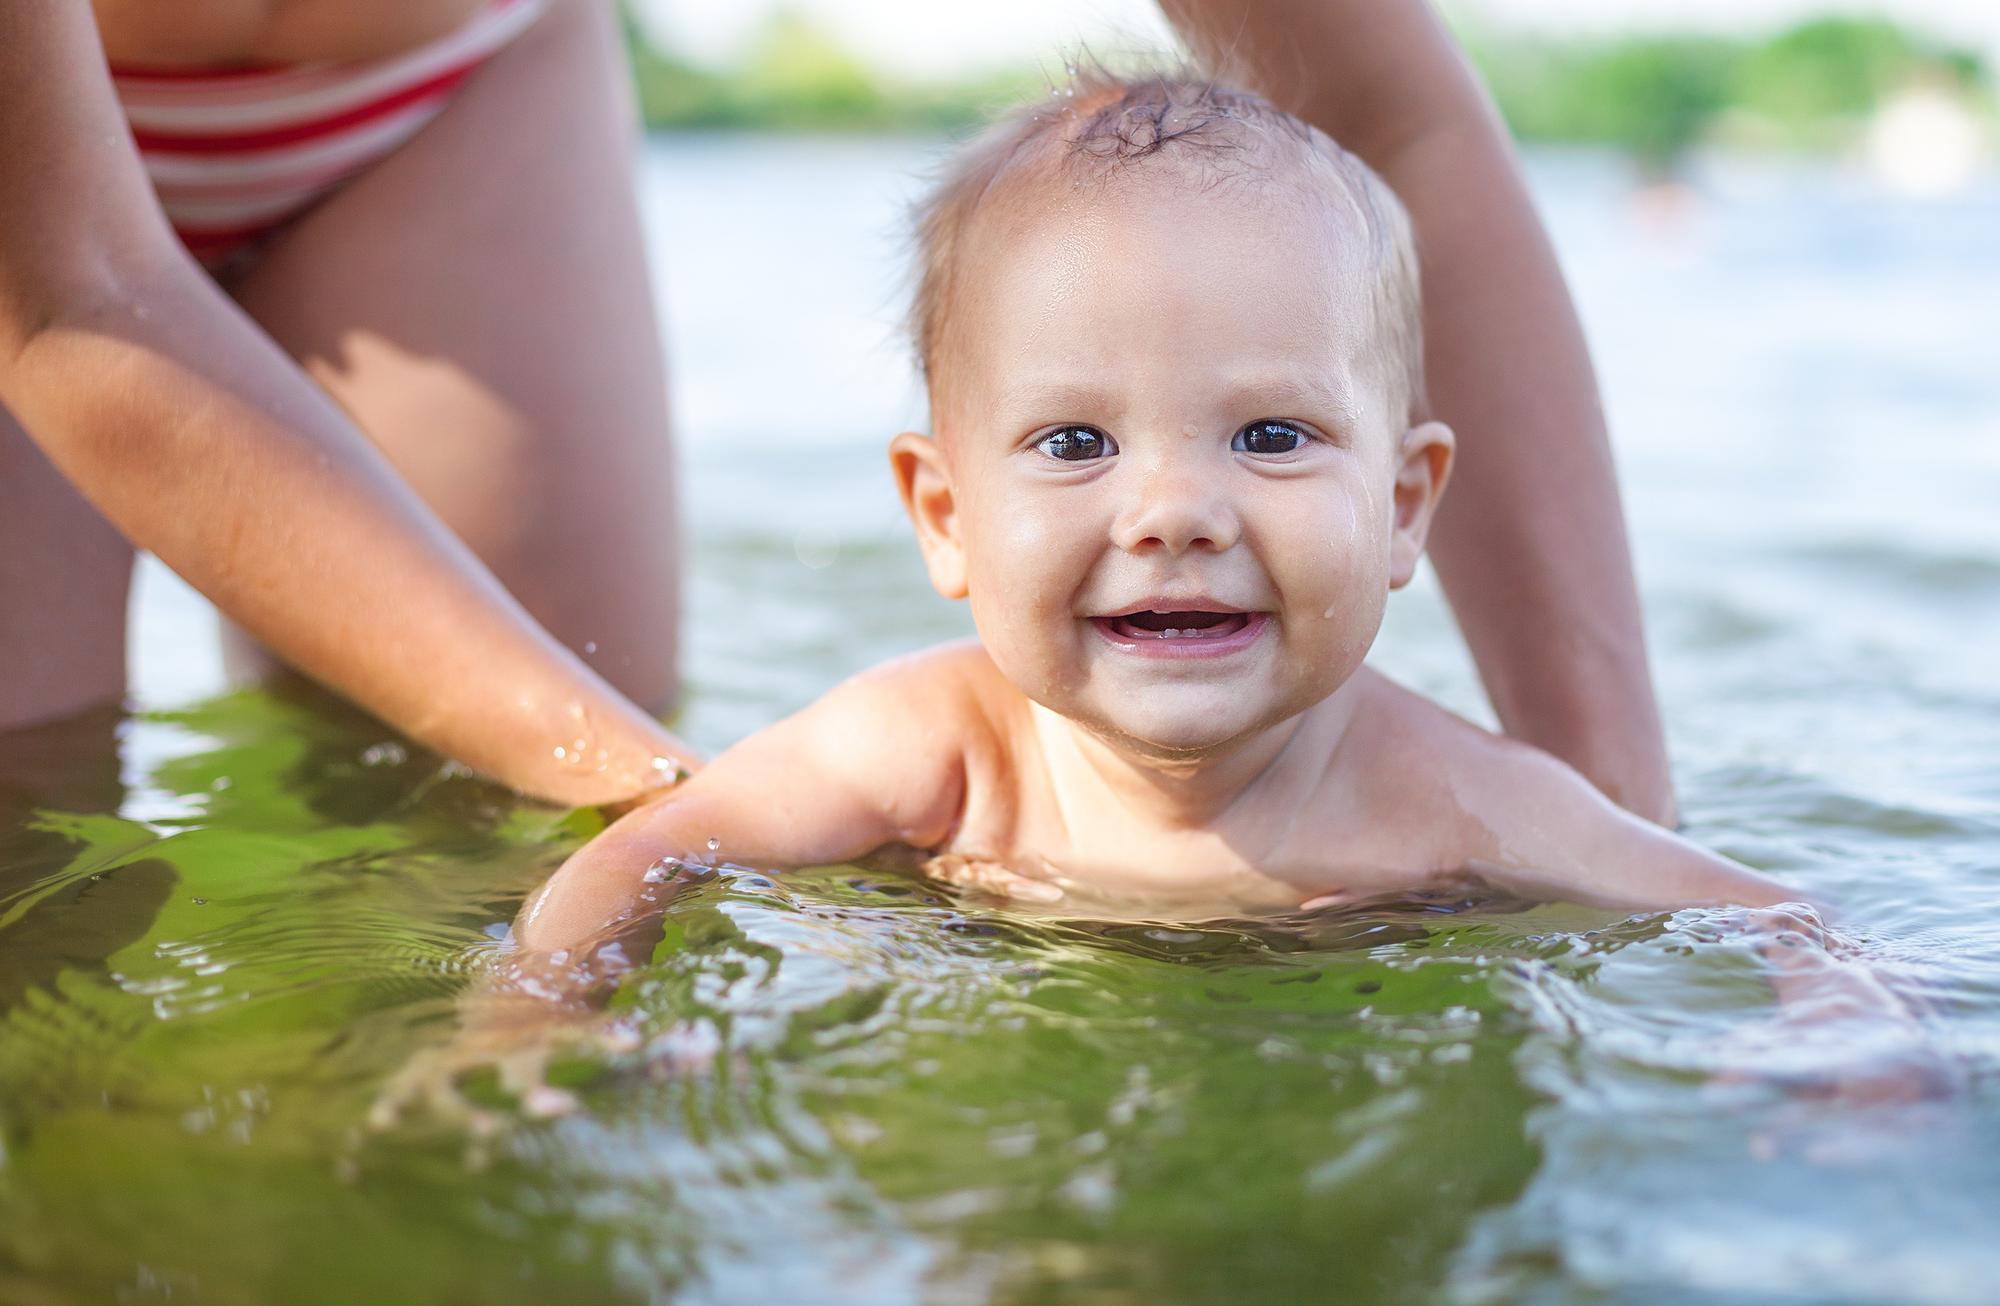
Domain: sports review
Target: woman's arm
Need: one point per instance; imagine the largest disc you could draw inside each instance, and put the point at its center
(1531, 544)
(192, 433)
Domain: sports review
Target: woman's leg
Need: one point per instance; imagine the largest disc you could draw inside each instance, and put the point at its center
(479, 303)
(65, 575)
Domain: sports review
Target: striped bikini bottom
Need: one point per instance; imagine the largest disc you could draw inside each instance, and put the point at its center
(235, 153)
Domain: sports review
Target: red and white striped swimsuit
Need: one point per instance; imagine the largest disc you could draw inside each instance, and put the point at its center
(235, 153)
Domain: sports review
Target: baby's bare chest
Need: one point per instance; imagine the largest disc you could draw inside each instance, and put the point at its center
(1260, 865)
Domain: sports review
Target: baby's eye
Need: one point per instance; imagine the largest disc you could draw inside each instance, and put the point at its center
(1268, 438)
(1076, 444)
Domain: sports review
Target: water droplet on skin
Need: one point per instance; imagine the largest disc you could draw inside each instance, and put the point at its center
(715, 845)
(656, 873)
(589, 646)
(561, 753)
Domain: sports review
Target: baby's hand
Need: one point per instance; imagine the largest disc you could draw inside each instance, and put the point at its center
(519, 1051)
(1853, 1064)
(1855, 1109)
(1850, 1090)
(1040, 883)
(1861, 1064)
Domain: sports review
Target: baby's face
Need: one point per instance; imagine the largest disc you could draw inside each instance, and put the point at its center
(1166, 475)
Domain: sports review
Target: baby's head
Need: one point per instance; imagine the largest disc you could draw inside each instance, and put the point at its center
(1173, 342)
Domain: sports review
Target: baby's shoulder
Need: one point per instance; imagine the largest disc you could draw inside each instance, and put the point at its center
(945, 678)
(1526, 821)
(1470, 788)
(922, 706)
(1418, 741)
(903, 739)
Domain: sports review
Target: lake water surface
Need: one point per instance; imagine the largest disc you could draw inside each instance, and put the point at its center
(225, 919)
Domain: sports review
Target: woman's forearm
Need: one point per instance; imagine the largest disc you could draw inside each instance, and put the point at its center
(199, 440)
(1530, 544)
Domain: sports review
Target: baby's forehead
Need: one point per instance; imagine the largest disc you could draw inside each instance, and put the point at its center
(1045, 232)
(1160, 154)
(1081, 301)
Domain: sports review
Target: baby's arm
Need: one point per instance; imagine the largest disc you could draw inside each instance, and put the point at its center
(1541, 829)
(875, 762)
(1556, 836)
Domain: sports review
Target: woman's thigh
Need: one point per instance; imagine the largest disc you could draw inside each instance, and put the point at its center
(65, 575)
(479, 303)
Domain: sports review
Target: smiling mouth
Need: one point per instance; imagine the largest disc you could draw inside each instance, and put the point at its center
(1152, 625)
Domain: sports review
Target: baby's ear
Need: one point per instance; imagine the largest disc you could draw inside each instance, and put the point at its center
(1423, 464)
(924, 480)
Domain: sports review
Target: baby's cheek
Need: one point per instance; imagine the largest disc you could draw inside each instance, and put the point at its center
(1039, 559)
(1341, 595)
(1023, 586)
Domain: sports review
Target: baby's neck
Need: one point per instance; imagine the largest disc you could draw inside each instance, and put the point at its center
(1172, 792)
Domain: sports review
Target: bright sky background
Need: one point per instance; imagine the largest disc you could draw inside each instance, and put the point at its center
(941, 37)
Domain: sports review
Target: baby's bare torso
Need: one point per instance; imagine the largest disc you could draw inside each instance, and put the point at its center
(1365, 796)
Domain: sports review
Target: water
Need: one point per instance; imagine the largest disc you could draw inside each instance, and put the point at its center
(226, 920)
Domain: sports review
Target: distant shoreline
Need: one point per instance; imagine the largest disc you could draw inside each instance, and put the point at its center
(1826, 85)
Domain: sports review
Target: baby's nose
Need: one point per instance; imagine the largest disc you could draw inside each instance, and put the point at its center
(1176, 510)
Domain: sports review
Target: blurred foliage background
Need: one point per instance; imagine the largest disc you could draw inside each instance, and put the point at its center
(1812, 86)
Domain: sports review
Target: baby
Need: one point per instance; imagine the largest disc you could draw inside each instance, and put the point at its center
(1172, 338)
(1173, 347)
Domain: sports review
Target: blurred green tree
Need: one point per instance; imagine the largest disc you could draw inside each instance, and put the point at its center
(1656, 96)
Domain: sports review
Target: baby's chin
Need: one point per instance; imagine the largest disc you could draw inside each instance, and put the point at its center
(1166, 726)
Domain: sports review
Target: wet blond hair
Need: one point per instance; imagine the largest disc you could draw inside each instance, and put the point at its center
(1102, 124)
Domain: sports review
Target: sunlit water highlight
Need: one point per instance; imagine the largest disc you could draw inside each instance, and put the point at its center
(224, 922)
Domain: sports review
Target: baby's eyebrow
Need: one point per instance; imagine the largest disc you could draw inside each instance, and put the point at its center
(1251, 397)
(1058, 399)
(1287, 396)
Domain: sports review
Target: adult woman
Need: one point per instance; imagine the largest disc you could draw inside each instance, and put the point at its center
(469, 301)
